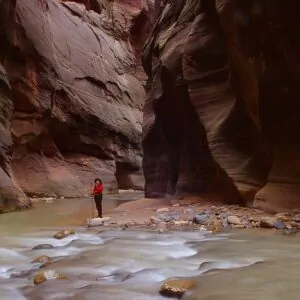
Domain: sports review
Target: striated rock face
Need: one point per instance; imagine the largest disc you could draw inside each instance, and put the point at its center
(221, 116)
(72, 93)
(11, 195)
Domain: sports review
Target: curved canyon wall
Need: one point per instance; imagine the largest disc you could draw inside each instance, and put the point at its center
(221, 115)
(222, 111)
(71, 97)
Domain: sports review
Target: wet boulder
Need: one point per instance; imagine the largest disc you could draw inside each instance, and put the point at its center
(267, 222)
(279, 225)
(63, 233)
(97, 221)
(47, 275)
(284, 217)
(201, 219)
(41, 259)
(216, 226)
(43, 247)
(234, 220)
(176, 288)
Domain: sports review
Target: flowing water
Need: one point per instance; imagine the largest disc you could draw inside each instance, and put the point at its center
(130, 265)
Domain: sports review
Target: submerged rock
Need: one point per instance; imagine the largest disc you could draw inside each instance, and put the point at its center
(47, 275)
(97, 221)
(23, 274)
(176, 288)
(290, 231)
(63, 233)
(267, 222)
(42, 247)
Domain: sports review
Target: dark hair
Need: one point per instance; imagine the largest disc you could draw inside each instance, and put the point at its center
(98, 179)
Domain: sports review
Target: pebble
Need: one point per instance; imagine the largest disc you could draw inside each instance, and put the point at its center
(176, 205)
(154, 220)
(162, 210)
(295, 224)
(296, 218)
(176, 288)
(168, 217)
(234, 220)
(181, 223)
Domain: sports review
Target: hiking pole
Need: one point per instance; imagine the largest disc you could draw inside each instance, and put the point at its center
(92, 201)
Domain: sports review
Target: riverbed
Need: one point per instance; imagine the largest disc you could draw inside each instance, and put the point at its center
(113, 264)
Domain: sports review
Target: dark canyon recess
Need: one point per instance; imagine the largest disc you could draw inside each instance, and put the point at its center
(222, 113)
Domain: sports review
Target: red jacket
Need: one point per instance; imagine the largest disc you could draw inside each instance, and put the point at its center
(98, 189)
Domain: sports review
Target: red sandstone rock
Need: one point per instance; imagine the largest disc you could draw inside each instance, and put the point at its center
(72, 95)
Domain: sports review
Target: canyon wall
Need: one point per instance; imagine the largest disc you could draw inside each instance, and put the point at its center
(222, 111)
(71, 97)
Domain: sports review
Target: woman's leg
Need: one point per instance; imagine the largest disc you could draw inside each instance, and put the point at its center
(98, 201)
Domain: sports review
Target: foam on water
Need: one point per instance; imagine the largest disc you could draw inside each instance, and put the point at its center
(7, 254)
(142, 259)
(11, 294)
(4, 272)
(31, 242)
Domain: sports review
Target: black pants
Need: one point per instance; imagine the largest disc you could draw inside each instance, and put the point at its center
(98, 201)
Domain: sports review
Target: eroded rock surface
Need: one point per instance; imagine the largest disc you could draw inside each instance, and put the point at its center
(222, 116)
(72, 93)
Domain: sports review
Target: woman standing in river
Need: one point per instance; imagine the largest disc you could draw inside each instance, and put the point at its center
(97, 192)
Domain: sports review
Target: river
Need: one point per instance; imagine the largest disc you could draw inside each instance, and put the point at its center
(130, 265)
